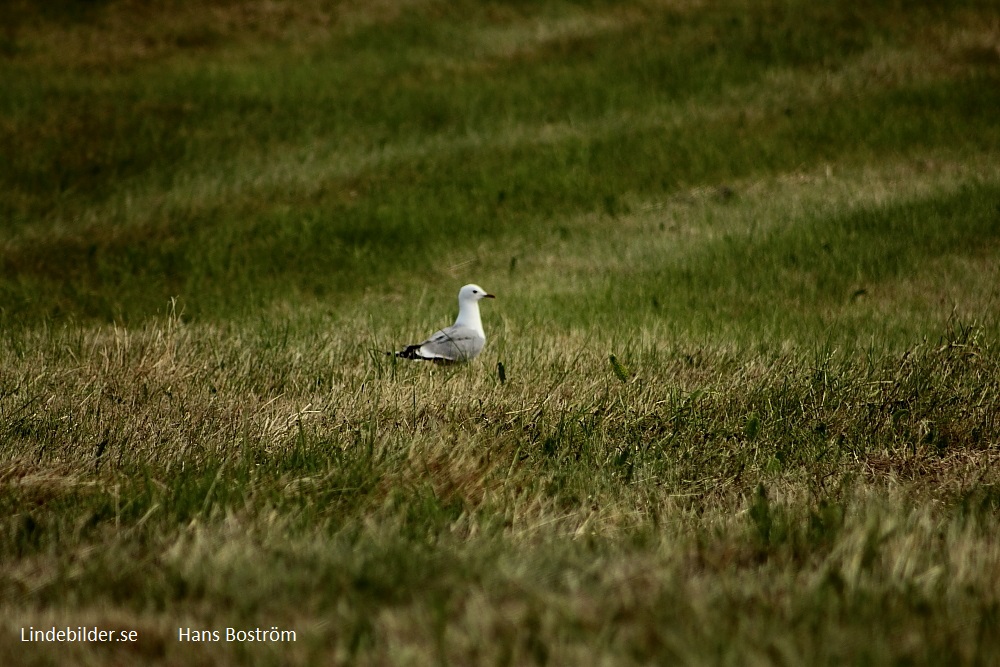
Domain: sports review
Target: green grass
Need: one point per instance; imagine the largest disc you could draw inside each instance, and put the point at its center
(745, 257)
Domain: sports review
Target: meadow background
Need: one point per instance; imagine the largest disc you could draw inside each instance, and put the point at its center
(746, 258)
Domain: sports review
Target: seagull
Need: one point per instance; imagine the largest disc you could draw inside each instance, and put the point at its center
(463, 340)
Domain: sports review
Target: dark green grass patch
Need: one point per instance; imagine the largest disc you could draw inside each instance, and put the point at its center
(353, 233)
(92, 153)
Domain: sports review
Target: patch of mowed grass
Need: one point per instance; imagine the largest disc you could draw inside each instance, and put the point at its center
(223, 261)
(831, 274)
(451, 137)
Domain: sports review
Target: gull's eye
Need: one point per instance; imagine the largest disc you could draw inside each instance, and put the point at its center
(475, 291)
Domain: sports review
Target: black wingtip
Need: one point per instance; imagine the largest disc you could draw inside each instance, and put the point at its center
(413, 352)
(410, 352)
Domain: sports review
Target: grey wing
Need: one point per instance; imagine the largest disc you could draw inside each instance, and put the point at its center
(453, 344)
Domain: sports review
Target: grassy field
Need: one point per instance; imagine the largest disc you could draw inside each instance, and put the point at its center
(739, 403)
